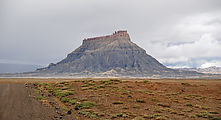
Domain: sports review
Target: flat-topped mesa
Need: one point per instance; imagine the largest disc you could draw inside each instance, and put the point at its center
(122, 34)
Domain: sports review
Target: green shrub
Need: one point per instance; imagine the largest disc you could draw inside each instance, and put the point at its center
(72, 102)
(63, 82)
(146, 81)
(189, 104)
(140, 101)
(85, 85)
(62, 93)
(83, 112)
(154, 99)
(215, 118)
(185, 84)
(213, 112)
(59, 85)
(40, 97)
(85, 105)
(37, 91)
(65, 100)
(119, 115)
(101, 86)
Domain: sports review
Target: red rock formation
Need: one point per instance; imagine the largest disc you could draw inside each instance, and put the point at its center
(116, 34)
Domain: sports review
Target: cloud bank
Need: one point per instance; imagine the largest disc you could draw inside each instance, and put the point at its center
(178, 33)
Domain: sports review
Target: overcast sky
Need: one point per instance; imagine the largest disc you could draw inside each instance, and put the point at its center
(178, 33)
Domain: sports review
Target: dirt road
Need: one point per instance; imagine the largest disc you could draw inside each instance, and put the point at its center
(16, 104)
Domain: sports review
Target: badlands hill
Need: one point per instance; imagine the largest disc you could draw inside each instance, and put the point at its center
(111, 55)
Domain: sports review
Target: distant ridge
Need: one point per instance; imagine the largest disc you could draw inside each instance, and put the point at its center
(208, 70)
(111, 55)
(17, 68)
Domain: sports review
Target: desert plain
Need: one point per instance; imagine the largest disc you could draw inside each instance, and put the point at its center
(109, 99)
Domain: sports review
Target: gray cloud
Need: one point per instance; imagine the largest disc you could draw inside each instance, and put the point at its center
(175, 32)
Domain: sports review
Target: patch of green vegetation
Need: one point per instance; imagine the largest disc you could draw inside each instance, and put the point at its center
(158, 111)
(64, 82)
(64, 108)
(125, 86)
(140, 101)
(148, 116)
(182, 114)
(65, 100)
(83, 112)
(87, 81)
(72, 102)
(83, 99)
(146, 81)
(62, 93)
(218, 98)
(189, 104)
(136, 106)
(177, 93)
(85, 85)
(188, 84)
(153, 99)
(186, 98)
(42, 84)
(111, 81)
(100, 86)
(203, 115)
(152, 116)
(66, 87)
(88, 113)
(213, 112)
(49, 87)
(59, 85)
(85, 105)
(167, 109)
(40, 97)
(120, 90)
(117, 102)
(207, 115)
(200, 98)
(119, 115)
(75, 98)
(91, 84)
(197, 106)
(86, 88)
(145, 91)
(205, 108)
(215, 118)
(37, 91)
(196, 97)
(125, 107)
(173, 112)
(148, 92)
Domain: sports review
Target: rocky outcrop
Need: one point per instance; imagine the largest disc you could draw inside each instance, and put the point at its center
(110, 55)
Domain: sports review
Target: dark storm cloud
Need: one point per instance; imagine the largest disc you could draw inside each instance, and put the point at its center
(44, 31)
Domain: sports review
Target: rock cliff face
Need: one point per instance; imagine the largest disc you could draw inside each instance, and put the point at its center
(109, 55)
